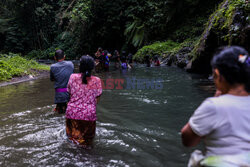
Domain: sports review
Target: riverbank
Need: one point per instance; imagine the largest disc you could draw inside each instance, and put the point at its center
(15, 69)
(228, 25)
(16, 80)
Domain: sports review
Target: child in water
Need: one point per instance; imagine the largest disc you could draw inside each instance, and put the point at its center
(223, 121)
(60, 73)
(85, 91)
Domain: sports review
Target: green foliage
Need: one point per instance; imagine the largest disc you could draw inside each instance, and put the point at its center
(135, 33)
(13, 65)
(31, 25)
(158, 48)
(80, 26)
(5, 70)
(221, 25)
(190, 29)
(223, 16)
(81, 11)
(163, 49)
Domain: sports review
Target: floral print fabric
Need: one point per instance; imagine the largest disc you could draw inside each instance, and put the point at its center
(82, 104)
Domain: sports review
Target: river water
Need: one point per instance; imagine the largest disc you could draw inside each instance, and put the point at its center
(134, 128)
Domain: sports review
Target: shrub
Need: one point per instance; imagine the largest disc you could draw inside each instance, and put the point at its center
(12, 65)
(157, 48)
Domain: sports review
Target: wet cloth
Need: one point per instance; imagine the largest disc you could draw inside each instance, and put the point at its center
(61, 108)
(80, 132)
(82, 104)
(240, 160)
(60, 73)
(224, 121)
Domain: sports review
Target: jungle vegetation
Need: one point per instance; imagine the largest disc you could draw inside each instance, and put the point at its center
(36, 28)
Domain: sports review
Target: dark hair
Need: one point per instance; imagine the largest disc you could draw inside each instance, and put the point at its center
(231, 67)
(105, 52)
(86, 66)
(156, 57)
(99, 49)
(59, 54)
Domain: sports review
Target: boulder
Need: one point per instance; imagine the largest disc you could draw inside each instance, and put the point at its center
(228, 25)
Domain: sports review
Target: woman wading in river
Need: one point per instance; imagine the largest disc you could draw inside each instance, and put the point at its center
(85, 91)
(223, 122)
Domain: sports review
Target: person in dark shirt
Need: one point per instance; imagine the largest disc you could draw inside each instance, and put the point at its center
(106, 60)
(148, 61)
(130, 60)
(116, 58)
(60, 73)
(156, 61)
(99, 60)
(124, 60)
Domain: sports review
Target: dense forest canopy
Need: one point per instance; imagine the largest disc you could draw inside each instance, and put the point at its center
(38, 27)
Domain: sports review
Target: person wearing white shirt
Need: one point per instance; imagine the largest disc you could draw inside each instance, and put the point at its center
(223, 122)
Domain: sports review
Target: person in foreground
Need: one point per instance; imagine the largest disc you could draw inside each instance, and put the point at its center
(60, 73)
(85, 91)
(223, 122)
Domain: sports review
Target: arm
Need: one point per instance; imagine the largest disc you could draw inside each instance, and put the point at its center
(189, 138)
(98, 99)
(52, 78)
(204, 120)
(69, 86)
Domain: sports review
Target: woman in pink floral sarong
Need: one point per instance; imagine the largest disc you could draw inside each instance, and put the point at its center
(85, 91)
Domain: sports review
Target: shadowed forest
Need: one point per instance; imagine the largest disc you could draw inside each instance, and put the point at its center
(180, 32)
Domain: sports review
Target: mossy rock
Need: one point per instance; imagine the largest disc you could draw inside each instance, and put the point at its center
(170, 52)
(162, 49)
(228, 25)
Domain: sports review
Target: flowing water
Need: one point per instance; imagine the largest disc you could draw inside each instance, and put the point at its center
(134, 128)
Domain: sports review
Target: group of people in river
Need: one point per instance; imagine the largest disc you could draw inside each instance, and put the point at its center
(221, 121)
(122, 61)
(103, 59)
(152, 61)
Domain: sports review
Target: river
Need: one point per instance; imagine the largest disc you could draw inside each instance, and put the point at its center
(134, 128)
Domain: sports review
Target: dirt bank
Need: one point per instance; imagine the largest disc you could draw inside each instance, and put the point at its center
(17, 80)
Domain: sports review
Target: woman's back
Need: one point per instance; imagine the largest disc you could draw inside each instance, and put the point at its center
(82, 104)
(224, 120)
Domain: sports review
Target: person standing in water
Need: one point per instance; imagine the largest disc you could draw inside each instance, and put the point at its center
(223, 121)
(98, 60)
(116, 58)
(85, 91)
(123, 59)
(106, 60)
(130, 60)
(148, 61)
(60, 73)
(156, 61)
